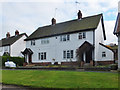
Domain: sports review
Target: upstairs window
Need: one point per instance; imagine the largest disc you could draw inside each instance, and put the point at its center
(67, 54)
(33, 42)
(65, 38)
(42, 56)
(103, 54)
(82, 35)
(44, 41)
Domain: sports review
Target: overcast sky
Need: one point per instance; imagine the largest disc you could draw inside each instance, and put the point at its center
(27, 15)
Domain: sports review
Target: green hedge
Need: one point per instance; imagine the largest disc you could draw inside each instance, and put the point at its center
(17, 60)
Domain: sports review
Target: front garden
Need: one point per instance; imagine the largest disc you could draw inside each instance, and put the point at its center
(60, 79)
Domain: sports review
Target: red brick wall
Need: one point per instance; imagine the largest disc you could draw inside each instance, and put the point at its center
(104, 62)
(43, 63)
(68, 63)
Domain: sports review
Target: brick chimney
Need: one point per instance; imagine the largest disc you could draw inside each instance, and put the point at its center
(7, 35)
(79, 15)
(53, 21)
(16, 33)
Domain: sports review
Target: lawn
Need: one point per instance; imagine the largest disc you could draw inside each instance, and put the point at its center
(60, 79)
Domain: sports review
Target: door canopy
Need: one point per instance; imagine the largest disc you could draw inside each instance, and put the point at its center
(27, 51)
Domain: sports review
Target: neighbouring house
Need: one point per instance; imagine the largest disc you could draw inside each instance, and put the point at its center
(117, 33)
(59, 43)
(114, 47)
(13, 45)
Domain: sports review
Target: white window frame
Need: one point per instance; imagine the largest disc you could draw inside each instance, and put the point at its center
(32, 42)
(82, 35)
(103, 54)
(64, 38)
(68, 54)
(45, 41)
(42, 56)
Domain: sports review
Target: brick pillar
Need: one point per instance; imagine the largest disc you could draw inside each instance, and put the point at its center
(91, 63)
(82, 63)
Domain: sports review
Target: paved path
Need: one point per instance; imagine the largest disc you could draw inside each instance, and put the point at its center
(13, 87)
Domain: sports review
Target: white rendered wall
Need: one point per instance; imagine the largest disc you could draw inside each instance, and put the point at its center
(98, 39)
(18, 46)
(55, 48)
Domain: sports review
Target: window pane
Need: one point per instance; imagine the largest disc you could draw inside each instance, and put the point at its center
(103, 54)
(64, 54)
(68, 37)
(68, 54)
(84, 35)
(39, 56)
(44, 55)
(80, 36)
(64, 38)
(33, 42)
(71, 53)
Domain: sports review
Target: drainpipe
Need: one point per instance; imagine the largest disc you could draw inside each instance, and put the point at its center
(93, 52)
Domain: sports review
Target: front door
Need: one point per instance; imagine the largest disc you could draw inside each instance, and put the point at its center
(88, 56)
(30, 58)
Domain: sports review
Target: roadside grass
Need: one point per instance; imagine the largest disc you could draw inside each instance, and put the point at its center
(60, 79)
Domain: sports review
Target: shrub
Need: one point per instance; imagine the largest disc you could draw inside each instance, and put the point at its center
(114, 66)
(17, 60)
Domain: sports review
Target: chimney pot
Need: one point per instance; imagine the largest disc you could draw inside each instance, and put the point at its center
(16, 32)
(7, 35)
(79, 15)
(53, 21)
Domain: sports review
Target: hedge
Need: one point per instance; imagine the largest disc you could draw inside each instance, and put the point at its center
(17, 60)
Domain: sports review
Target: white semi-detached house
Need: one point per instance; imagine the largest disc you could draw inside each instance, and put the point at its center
(58, 43)
(13, 45)
(117, 33)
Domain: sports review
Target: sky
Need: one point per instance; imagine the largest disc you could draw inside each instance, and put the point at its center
(28, 15)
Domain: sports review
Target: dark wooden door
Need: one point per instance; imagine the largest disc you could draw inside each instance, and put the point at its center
(30, 58)
(88, 56)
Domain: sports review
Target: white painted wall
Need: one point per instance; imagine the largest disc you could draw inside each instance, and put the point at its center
(55, 47)
(109, 54)
(18, 46)
(98, 39)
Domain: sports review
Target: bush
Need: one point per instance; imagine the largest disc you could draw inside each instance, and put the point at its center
(17, 60)
(114, 66)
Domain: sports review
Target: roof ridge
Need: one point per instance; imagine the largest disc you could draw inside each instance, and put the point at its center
(72, 20)
(14, 36)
